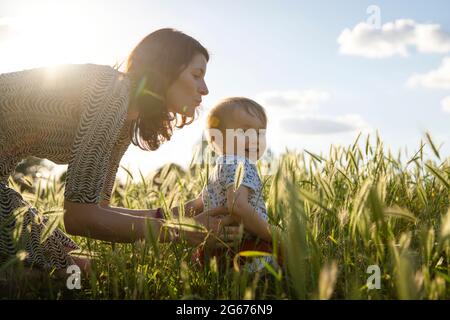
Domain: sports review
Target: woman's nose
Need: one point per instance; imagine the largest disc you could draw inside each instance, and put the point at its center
(204, 89)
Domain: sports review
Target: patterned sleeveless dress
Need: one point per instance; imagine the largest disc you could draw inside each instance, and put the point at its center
(71, 114)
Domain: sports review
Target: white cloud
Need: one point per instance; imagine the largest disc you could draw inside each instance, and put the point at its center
(439, 78)
(300, 100)
(446, 104)
(393, 38)
(295, 112)
(318, 124)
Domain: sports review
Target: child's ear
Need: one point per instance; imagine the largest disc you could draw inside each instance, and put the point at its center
(214, 138)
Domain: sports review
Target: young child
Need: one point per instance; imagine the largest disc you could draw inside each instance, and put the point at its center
(236, 132)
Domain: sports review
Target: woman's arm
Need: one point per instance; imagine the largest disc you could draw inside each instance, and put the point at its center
(191, 209)
(243, 212)
(108, 224)
(149, 213)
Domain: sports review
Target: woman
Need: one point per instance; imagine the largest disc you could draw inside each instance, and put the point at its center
(86, 116)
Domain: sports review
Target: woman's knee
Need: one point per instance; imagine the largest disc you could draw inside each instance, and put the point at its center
(78, 217)
(71, 221)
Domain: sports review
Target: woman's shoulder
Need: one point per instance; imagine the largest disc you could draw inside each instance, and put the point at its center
(94, 80)
(90, 72)
(65, 73)
(97, 68)
(105, 74)
(82, 87)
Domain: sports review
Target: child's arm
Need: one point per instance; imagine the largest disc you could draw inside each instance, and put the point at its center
(191, 208)
(242, 211)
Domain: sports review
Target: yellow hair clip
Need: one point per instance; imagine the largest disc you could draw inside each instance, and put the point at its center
(214, 122)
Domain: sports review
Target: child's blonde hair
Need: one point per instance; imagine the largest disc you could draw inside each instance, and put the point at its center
(220, 115)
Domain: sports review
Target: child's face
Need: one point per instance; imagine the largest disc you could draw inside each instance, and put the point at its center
(246, 135)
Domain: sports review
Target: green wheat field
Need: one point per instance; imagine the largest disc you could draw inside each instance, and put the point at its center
(340, 212)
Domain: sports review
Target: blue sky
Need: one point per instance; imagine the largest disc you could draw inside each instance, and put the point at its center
(284, 54)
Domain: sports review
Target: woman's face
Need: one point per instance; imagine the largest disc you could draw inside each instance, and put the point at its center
(185, 94)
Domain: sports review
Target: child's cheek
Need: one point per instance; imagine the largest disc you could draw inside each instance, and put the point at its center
(239, 147)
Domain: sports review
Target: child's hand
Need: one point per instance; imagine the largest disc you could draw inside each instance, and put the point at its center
(220, 226)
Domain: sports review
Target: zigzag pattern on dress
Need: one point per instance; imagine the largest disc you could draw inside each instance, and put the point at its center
(51, 253)
(75, 115)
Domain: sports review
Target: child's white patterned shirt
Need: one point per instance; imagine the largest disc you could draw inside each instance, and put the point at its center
(222, 176)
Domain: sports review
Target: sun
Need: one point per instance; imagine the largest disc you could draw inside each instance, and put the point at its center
(50, 34)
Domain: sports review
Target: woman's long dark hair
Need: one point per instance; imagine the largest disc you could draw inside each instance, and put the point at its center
(153, 65)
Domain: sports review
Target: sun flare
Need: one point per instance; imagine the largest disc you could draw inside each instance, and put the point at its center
(50, 34)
